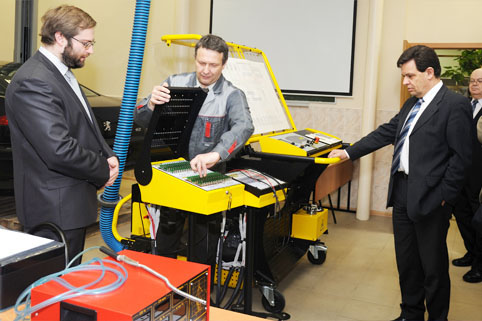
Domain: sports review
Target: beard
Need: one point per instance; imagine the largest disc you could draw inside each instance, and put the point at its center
(70, 59)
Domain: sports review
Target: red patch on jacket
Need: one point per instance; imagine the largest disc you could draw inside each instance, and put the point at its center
(233, 146)
(207, 129)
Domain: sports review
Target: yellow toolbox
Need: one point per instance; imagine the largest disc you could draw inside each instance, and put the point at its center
(309, 223)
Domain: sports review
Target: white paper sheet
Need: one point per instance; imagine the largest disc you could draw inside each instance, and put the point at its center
(14, 242)
(266, 109)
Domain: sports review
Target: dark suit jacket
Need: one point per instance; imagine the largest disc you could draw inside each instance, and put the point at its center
(59, 155)
(474, 180)
(439, 154)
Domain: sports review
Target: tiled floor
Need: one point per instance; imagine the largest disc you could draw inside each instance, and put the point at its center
(358, 280)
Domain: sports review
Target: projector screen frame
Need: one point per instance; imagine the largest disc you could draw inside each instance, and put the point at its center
(346, 89)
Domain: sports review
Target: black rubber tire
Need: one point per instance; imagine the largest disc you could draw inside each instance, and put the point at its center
(320, 260)
(279, 302)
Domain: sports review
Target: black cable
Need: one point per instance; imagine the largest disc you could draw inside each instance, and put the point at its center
(277, 207)
(142, 221)
(220, 269)
(226, 283)
(55, 228)
(273, 188)
(277, 182)
(241, 296)
(254, 178)
(236, 290)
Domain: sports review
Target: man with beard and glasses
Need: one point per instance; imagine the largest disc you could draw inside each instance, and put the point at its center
(60, 158)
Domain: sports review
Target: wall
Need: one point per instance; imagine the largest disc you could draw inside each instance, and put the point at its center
(443, 21)
(7, 26)
(105, 70)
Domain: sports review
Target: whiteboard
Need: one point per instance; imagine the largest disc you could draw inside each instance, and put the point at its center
(252, 78)
(309, 43)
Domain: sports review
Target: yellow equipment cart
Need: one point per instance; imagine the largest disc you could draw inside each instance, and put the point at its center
(281, 223)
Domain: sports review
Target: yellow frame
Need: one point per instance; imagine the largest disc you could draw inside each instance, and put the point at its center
(190, 40)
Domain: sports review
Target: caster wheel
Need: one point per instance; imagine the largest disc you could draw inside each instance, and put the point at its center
(279, 303)
(320, 260)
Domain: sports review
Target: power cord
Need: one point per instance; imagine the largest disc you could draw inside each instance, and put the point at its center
(72, 291)
(127, 260)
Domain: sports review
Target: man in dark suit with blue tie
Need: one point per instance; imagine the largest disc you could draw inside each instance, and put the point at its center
(60, 158)
(432, 136)
(468, 201)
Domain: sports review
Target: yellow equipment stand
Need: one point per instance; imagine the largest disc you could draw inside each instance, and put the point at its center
(307, 145)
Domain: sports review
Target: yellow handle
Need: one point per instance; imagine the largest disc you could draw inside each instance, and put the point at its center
(115, 216)
(324, 160)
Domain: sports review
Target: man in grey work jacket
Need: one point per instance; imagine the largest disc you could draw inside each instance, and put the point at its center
(221, 129)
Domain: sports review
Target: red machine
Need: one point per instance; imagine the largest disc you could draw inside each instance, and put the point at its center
(143, 297)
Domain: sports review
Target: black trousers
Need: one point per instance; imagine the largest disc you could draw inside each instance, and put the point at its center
(477, 264)
(422, 257)
(206, 234)
(75, 239)
(464, 211)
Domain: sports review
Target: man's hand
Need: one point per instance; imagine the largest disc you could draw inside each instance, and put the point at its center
(202, 162)
(340, 153)
(159, 95)
(114, 170)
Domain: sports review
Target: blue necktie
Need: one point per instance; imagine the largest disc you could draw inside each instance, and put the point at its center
(474, 104)
(403, 135)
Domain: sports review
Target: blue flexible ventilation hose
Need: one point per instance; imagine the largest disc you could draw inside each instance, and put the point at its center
(124, 127)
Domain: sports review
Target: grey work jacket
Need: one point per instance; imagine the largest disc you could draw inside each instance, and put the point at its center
(224, 122)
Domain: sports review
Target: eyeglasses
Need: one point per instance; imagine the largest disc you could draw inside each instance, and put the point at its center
(86, 44)
(473, 81)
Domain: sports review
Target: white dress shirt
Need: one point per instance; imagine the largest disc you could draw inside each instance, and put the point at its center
(427, 99)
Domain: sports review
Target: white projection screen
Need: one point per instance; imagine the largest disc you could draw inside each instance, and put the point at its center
(309, 43)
